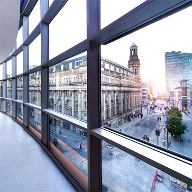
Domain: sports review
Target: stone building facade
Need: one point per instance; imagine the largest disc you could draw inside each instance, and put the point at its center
(121, 94)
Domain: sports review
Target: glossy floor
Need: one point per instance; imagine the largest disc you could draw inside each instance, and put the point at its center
(24, 165)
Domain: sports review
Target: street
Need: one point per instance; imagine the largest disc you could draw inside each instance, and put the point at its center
(121, 171)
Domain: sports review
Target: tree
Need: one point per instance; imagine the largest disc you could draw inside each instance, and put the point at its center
(176, 111)
(175, 127)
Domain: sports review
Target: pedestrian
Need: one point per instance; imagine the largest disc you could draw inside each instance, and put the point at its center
(158, 118)
(55, 142)
(164, 142)
(80, 149)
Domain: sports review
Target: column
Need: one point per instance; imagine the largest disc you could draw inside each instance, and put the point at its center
(25, 68)
(80, 105)
(115, 104)
(104, 107)
(44, 27)
(73, 103)
(63, 101)
(93, 97)
(109, 104)
(14, 86)
(4, 87)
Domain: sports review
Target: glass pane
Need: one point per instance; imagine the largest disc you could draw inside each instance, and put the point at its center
(1, 104)
(35, 119)
(20, 37)
(20, 63)
(9, 68)
(112, 10)
(71, 142)
(9, 107)
(50, 2)
(1, 71)
(34, 17)
(20, 111)
(1, 88)
(20, 88)
(35, 53)
(9, 89)
(35, 88)
(68, 87)
(141, 80)
(123, 172)
(68, 28)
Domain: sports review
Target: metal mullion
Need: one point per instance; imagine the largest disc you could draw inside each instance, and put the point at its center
(25, 68)
(94, 97)
(44, 29)
(4, 87)
(14, 85)
(143, 15)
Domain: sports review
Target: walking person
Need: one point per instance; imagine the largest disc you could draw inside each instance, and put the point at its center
(80, 149)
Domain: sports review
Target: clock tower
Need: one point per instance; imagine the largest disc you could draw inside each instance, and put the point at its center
(134, 62)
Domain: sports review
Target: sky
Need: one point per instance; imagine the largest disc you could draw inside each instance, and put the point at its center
(170, 34)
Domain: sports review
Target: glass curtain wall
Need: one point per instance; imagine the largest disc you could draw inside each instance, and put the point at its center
(20, 88)
(20, 112)
(9, 107)
(9, 89)
(35, 88)
(102, 115)
(9, 68)
(1, 88)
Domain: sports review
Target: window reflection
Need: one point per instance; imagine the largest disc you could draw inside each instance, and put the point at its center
(20, 112)
(20, 63)
(35, 88)
(1, 104)
(9, 89)
(35, 119)
(72, 144)
(9, 107)
(1, 88)
(35, 53)
(1, 71)
(20, 88)
(34, 17)
(9, 68)
(68, 87)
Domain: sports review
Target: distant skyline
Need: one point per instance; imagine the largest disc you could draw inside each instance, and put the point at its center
(170, 34)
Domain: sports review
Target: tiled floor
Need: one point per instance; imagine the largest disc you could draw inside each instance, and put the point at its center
(24, 165)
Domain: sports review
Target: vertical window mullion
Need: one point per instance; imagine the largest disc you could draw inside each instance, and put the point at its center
(93, 97)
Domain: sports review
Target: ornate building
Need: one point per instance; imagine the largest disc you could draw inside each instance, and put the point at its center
(121, 94)
(121, 89)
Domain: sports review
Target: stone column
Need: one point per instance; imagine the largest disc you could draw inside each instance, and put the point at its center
(109, 105)
(73, 103)
(104, 107)
(63, 101)
(79, 105)
(115, 104)
(121, 102)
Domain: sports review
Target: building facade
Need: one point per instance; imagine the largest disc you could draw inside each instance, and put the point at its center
(120, 95)
(178, 66)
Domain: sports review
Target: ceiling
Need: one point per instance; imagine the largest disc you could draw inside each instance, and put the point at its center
(9, 23)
